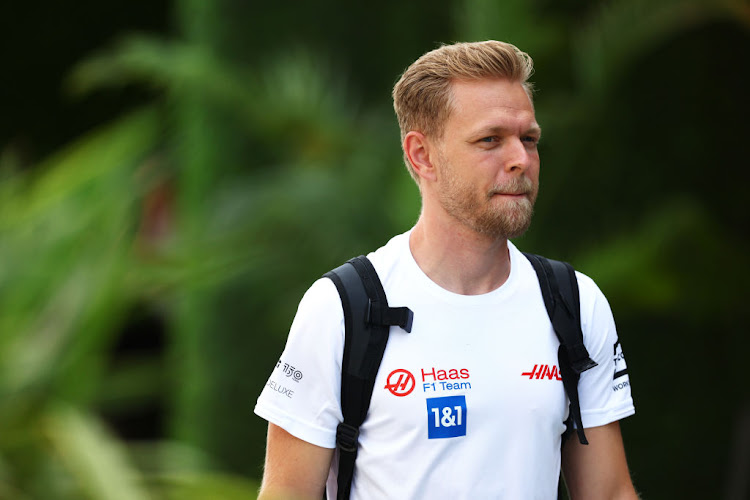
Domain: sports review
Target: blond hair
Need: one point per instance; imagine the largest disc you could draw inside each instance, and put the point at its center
(422, 96)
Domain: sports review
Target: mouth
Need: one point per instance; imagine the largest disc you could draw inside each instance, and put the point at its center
(512, 195)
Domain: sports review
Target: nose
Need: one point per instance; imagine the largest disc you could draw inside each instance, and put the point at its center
(520, 155)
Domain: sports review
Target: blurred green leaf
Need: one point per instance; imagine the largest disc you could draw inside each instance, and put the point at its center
(65, 243)
(294, 98)
(96, 460)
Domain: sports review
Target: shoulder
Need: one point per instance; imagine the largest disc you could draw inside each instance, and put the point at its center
(389, 254)
(597, 322)
(588, 290)
(392, 261)
(321, 296)
(593, 301)
(319, 310)
(596, 315)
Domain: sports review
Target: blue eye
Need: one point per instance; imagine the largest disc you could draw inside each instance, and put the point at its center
(488, 139)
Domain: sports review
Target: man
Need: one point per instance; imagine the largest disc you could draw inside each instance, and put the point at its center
(469, 404)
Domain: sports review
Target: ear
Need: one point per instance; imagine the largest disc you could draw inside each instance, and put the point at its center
(419, 152)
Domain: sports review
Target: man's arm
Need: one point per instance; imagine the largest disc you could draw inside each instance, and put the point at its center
(295, 469)
(597, 471)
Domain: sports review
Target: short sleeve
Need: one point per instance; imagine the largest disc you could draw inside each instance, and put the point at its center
(604, 391)
(303, 393)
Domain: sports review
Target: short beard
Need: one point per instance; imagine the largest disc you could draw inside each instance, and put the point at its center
(507, 220)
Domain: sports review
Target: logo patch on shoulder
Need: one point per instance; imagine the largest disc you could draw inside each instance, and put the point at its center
(620, 379)
(621, 369)
(446, 417)
(290, 371)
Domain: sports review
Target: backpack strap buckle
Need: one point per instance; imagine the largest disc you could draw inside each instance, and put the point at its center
(346, 437)
(579, 358)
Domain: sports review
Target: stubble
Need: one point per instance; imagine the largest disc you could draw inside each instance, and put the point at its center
(505, 218)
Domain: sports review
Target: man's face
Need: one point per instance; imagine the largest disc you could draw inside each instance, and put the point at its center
(487, 160)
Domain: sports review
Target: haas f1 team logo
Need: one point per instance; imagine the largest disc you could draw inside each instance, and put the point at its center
(400, 382)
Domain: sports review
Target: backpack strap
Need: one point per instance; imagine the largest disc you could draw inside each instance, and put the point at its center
(559, 286)
(367, 322)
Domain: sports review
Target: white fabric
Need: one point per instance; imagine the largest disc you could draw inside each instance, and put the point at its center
(492, 359)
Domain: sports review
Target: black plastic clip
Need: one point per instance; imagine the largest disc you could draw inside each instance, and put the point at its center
(347, 437)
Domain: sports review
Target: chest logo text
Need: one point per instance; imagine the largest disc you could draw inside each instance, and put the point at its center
(434, 380)
(540, 372)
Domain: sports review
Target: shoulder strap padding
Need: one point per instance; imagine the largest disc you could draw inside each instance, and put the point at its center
(559, 287)
(367, 322)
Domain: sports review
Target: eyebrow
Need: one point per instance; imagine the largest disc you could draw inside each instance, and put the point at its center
(499, 129)
(535, 129)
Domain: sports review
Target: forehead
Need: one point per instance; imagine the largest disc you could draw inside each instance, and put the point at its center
(490, 100)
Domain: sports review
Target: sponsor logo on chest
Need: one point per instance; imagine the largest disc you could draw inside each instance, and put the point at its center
(401, 382)
(453, 379)
(543, 372)
(446, 415)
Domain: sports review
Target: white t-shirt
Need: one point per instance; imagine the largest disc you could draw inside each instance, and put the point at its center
(469, 404)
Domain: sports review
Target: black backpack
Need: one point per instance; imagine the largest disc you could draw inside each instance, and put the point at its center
(367, 322)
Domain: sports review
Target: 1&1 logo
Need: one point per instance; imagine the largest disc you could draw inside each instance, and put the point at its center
(400, 382)
(446, 417)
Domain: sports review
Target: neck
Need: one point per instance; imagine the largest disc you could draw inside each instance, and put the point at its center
(459, 259)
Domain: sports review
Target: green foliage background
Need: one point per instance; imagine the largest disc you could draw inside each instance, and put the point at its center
(270, 143)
